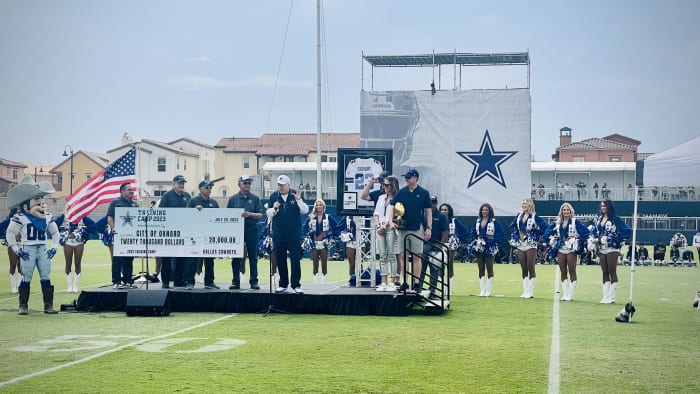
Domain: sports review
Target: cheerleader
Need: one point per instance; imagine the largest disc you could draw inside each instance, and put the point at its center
(15, 266)
(320, 227)
(73, 239)
(566, 237)
(458, 236)
(486, 234)
(608, 233)
(347, 230)
(526, 231)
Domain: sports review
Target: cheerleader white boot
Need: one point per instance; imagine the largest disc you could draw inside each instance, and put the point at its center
(13, 283)
(69, 283)
(482, 286)
(564, 290)
(606, 293)
(531, 288)
(572, 289)
(526, 283)
(489, 286)
(76, 283)
(611, 296)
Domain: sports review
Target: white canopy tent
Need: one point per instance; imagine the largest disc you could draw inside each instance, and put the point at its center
(676, 166)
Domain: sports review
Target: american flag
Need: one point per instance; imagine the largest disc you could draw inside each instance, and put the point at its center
(102, 187)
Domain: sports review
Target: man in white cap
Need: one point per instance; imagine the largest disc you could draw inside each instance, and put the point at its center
(252, 212)
(285, 208)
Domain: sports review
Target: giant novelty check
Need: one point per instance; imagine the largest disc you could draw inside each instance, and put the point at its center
(178, 232)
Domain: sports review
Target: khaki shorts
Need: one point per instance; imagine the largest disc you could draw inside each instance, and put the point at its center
(412, 244)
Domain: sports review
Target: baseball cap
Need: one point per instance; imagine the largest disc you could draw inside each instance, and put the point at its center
(244, 178)
(283, 180)
(411, 173)
(433, 199)
(179, 179)
(205, 184)
(382, 175)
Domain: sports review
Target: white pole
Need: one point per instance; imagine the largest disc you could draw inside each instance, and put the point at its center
(319, 192)
(634, 241)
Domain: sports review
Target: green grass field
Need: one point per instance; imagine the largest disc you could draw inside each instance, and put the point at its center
(497, 344)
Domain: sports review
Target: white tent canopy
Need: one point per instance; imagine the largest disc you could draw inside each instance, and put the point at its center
(676, 166)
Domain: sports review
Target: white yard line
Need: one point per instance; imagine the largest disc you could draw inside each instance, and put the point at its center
(116, 349)
(554, 351)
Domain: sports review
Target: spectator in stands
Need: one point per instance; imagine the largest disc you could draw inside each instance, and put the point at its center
(696, 242)
(595, 189)
(609, 232)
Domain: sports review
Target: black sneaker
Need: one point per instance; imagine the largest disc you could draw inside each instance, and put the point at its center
(255, 286)
(234, 287)
(211, 286)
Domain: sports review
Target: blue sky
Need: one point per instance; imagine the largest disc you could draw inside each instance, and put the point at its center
(84, 72)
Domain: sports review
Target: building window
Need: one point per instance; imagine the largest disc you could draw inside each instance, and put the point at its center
(333, 159)
(246, 161)
(224, 192)
(324, 158)
(615, 158)
(87, 177)
(14, 173)
(177, 163)
(579, 159)
(184, 166)
(161, 164)
(59, 179)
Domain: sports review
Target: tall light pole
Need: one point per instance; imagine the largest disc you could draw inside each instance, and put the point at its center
(67, 149)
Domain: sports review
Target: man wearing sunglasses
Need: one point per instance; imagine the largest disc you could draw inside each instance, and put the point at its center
(252, 212)
(203, 200)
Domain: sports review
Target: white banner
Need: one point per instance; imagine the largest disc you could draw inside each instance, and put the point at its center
(179, 232)
(469, 146)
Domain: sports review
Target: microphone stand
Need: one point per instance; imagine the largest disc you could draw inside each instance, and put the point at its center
(143, 277)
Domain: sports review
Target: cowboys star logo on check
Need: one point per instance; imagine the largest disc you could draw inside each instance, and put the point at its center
(487, 162)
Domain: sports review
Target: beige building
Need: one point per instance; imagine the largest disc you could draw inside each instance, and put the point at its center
(10, 173)
(293, 154)
(82, 164)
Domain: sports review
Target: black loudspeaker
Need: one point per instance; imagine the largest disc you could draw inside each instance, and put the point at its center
(147, 303)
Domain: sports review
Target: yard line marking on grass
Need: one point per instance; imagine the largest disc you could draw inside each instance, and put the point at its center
(554, 367)
(106, 352)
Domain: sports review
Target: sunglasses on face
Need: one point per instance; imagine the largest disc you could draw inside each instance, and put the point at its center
(386, 184)
(246, 183)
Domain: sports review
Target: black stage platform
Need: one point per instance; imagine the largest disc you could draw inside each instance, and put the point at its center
(331, 299)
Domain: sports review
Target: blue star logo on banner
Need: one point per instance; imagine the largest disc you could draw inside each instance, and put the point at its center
(487, 162)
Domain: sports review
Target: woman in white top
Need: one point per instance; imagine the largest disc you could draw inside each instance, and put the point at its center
(387, 236)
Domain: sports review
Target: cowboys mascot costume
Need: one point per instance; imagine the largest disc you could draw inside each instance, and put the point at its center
(32, 225)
